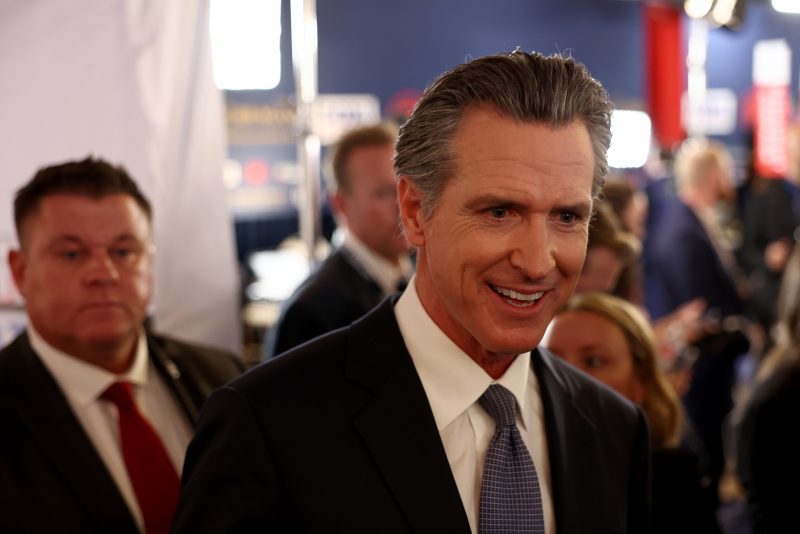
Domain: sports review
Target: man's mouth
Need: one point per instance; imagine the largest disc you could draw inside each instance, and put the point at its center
(517, 298)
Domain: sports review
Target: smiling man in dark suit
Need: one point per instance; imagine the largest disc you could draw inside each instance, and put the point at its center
(437, 412)
(96, 411)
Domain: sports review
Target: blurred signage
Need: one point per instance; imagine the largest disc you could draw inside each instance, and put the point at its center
(772, 105)
(275, 122)
(333, 115)
(713, 114)
(260, 124)
(261, 173)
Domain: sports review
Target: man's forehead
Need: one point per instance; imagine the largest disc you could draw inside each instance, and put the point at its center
(55, 205)
(110, 217)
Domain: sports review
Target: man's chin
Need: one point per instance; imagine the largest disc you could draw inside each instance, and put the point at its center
(112, 335)
(512, 347)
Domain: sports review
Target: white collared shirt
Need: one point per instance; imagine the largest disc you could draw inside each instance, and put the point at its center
(83, 383)
(385, 273)
(453, 383)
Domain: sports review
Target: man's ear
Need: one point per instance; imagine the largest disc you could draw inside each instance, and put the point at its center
(18, 265)
(339, 205)
(411, 213)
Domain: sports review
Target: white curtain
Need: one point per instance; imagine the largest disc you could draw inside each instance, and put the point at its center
(129, 81)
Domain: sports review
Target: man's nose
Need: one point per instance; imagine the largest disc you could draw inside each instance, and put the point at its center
(533, 250)
(101, 269)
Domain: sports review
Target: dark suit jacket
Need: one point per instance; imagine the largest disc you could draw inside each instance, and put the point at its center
(333, 296)
(769, 452)
(51, 477)
(682, 503)
(681, 264)
(338, 436)
(771, 215)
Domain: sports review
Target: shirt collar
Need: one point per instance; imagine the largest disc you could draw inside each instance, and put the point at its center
(452, 380)
(83, 382)
(385, 273)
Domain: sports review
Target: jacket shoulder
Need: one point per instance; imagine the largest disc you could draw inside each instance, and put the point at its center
(13, 355)
(335, 277)
(215, 364)
(595, 399)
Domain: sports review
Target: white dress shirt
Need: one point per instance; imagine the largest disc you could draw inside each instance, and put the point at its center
(453, 383)
(83, 383)
(385, 273)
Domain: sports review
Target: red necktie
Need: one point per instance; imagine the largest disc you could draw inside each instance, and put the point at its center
(150, 470)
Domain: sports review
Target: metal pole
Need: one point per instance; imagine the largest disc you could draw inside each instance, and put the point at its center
(304, 60)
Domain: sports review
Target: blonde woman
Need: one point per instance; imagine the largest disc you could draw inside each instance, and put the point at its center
(611, 340)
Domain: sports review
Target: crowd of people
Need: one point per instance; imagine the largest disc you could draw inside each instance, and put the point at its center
(505, 341)
(673, 257)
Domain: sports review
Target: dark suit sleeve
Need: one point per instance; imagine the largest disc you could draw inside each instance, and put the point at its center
(640, 509)
(229, 482)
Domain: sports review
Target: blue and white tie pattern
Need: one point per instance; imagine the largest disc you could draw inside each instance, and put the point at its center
(511, 500)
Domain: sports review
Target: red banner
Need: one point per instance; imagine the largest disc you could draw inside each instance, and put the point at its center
(772, 114)
(666, 71)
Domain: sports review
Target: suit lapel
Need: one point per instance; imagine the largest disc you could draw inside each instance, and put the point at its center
(398, 428)
(569, 442)
(170, 368)
(45, 412)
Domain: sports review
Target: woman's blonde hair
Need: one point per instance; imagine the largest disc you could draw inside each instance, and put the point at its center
(661, 404)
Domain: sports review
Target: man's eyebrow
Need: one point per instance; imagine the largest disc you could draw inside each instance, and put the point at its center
(76, 240)
(126, 237)
(582, 208)
(490, 199)
(66, 239)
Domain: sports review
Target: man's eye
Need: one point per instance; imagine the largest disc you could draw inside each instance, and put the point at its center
(593, 362)
(70, 255)
(124, 254)
(121, 252)
(567, 217)
(498, 213)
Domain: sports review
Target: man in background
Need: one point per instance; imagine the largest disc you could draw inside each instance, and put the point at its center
(687, 256)
(771, 229)
(373, 260)
(95, 410)
(436, 412)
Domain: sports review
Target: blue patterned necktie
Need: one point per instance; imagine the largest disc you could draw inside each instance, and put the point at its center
(511, 501)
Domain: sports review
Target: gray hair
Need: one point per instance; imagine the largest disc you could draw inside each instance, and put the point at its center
(526, 87)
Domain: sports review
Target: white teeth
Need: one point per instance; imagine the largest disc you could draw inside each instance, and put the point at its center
(510, 293)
